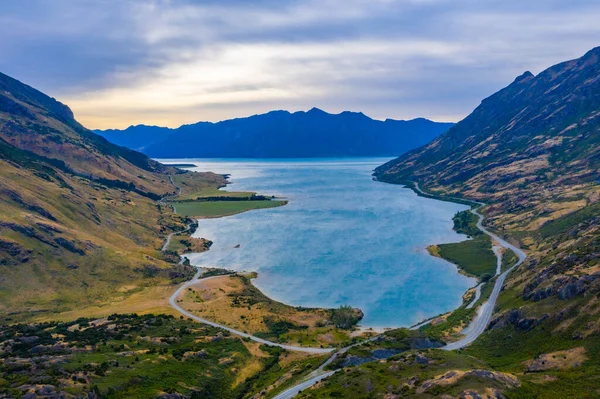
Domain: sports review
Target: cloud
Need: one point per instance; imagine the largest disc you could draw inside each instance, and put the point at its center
(172, 62)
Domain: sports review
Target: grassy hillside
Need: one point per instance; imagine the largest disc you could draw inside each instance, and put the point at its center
(130, 356)
(80, 225)
(531, 152)
(85, 287)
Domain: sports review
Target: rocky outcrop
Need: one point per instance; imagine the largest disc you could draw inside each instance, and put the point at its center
(564, 287)
(516, 317)
(452, 377)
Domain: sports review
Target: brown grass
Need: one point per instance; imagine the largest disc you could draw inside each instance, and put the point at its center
(215, 300)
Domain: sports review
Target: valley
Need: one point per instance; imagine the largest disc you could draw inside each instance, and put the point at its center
(467, 267)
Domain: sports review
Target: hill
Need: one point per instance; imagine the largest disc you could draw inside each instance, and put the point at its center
(531, 152)
(80, 225)
(281, 134)
(85, 283)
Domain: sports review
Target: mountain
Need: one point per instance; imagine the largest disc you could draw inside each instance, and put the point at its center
(544, 123)
(531, 153)
(281, 134)
(80, 225)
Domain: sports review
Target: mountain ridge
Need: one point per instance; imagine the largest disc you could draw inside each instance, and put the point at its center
(531, 153)
(281, 133)
(78, 217)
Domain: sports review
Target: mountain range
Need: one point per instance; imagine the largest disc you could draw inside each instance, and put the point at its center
(281, 134)
(81, 233)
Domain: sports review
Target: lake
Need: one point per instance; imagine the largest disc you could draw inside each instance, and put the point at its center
(343, 239)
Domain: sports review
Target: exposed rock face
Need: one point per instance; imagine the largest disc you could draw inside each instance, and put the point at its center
(11, 253)
(516, 318)
(453, 376)
(563, 287)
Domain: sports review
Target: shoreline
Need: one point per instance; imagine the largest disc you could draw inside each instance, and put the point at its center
(364, 329)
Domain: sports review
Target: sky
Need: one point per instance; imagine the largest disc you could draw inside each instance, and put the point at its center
(118, 63)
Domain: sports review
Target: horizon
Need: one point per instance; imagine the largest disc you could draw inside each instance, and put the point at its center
(171, 63)
(274, 110)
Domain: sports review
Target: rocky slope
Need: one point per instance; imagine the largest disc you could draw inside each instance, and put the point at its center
(79, 221)
(532, 152)
(281, 134)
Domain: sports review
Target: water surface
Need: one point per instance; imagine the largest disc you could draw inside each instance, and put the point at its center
(342, 239)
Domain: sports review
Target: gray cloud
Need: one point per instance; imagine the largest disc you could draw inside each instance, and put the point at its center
(179, 61)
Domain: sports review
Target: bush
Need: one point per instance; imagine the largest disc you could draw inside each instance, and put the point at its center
(345, 317)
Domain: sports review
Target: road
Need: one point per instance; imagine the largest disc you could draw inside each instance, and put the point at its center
(485, 312)
(318, 374)
(295, 390)
(471, 333)
(477, 296)
(195, 280)
(166, 244)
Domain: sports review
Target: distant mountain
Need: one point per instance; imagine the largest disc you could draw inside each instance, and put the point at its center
(281, 134)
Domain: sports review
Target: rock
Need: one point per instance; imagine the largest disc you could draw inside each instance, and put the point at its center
(469, 394)
(560, 360)
(200, 354)
(425, 343)
(516, 318)
(69, 245)
(421, 359)
(217, 337)
(384, 353)
(571, 290)
(453, 376)
(525, 324)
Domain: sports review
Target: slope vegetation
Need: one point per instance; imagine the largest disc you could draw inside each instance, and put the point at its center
(531, 152)
(80, 225)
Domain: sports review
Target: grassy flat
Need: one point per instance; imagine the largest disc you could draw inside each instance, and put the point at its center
(213, 209)
(232, 300)
(195, 188)
(215, 192)
(475, 257)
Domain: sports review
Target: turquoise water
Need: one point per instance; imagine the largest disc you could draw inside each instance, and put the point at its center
(342, 239)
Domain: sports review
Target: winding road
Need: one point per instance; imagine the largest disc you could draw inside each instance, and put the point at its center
(484, 314)
(196, 279)
(170, 236)
(471, 333)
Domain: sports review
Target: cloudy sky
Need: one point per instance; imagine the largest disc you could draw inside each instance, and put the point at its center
(170, 62)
